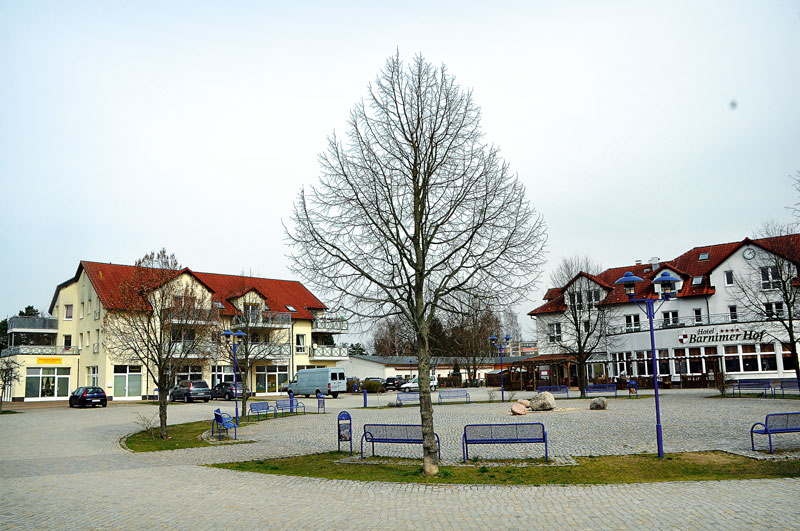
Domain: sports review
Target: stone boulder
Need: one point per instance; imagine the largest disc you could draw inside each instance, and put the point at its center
(543, 402)
(598, 403)
(524, 402)
(518, 409)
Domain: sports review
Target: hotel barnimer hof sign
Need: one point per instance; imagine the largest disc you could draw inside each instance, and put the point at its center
(720, 334)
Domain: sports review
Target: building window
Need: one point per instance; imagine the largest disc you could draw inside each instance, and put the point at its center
(221, 373)
(586, 327)
(127, 381)
(290, 308)
(632, 323)
(732, 313)
(68, 312)
(91, 376)
(251, 312)
(663, 362)
(698, 316)
(300, 343)
(681, 366)
(703, 256)
(773, 310)
(749, 358)
(698, 280)
(67, 342)
(554, 332)
(576, 299)
(270, 378)
(670, 319)
(189, 372)
(770, 278)
(41, 382)
(729, 278)
(83, 309)
(768, 360)
(789, 359)
(593, 296)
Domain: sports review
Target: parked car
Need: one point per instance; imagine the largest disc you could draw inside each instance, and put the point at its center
(190, 390)
(225, 390)
(413, 385)
(393, 383)
(327, 380)
(88, 396)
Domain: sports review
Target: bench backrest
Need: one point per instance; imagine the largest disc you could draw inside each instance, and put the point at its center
(258, 406)
(597, 387)
(758, 384)
(450, 393)
(398, 432)
(408, 396)
(504, 432)
(783, 421)
(553, 388)
(286, 402)
(790, 384)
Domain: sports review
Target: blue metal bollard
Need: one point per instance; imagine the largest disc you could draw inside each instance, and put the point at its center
(365, 398)
(291, 401)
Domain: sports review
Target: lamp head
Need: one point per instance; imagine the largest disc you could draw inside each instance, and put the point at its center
(507, 338)
(492, 339)
(629, 281)
(667, 282)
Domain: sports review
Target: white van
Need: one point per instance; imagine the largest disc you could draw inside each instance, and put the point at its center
(328, 381)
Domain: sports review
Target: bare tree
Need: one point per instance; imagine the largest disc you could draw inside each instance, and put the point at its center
(581, 329)
(796, 207)
(158, 319)
(9, 373)
(768, 287)
(511, 325)
(266, 340)
(393, 337)
(470, 331)
(414, 211)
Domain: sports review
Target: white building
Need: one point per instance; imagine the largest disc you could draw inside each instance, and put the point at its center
(727, 321)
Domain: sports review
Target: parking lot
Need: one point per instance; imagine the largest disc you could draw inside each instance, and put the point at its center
(62, 467)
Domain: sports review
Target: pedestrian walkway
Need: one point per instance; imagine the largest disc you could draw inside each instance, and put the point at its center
(62, 468)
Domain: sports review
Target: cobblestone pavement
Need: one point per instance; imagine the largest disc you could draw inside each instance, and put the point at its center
(62, 468)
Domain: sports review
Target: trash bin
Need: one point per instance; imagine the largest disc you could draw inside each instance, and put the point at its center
(344, 430)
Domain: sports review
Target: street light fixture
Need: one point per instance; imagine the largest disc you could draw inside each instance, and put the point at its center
(506, 341)
(238, 337)
(667, 283)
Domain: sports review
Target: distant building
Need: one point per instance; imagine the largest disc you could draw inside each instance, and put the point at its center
(61, 353)
(705, 333)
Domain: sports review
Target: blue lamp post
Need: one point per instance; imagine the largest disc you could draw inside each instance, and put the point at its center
(647, 305)
(506, 341)
(237, 336)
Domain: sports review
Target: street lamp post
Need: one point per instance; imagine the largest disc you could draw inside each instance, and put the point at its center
(410, 370)
(506, 340)
(237, 336)
(667, 282)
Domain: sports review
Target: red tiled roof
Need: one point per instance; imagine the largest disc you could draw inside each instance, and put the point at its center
(687, 266)
(106, 279)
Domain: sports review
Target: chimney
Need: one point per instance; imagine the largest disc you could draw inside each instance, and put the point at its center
(638, 262)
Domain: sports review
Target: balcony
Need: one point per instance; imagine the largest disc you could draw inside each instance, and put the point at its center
(264, 320)
(47, 325)
(331, 325)
(682, 322)
(327, 352)
(271, 351)
(41, 350)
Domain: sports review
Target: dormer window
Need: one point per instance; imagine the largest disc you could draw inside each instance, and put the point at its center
(703, 256)
(291, 308)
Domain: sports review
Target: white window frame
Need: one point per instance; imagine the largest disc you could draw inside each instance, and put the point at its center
(769, 278)
(773, 310)
(554, 332)
(300, 343)
(698, 315)
(733, 313)
(670, 318)
(728, 275)
(68, 312)
(633, 323)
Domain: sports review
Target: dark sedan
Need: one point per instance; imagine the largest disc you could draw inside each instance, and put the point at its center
(88, 396)
(225, 390)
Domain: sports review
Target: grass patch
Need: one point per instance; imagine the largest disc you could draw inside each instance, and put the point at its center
(639, 468)
(186, 435)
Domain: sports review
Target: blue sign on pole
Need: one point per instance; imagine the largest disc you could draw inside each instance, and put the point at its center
(344, 430)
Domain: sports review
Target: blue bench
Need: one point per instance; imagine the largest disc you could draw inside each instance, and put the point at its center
(752, 385)
(554, 389)
(223, 422)
(292, 405)
(786, 385)
(258, 408)
(532, 432)
(394, 433)
(776, 423)
(447, 394)
(601, 388)
(407, 397)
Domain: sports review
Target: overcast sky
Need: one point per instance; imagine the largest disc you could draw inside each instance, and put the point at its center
(128, 126)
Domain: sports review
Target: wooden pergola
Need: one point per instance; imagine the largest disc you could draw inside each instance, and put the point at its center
(525, 374)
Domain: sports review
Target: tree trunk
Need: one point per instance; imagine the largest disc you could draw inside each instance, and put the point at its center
(430, 457)
(581, 375)
(163, 397)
